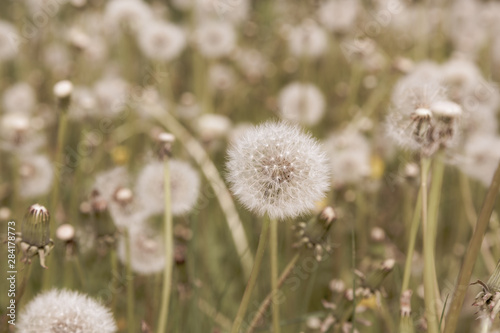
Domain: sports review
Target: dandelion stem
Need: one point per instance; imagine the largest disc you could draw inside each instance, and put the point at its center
(274, 274)
(267, 301)
(429, 287)
(261, 248)
(415, 224)
(471, 254)
(434, 201)
(169, 255)
(54, 196)
(130, 285)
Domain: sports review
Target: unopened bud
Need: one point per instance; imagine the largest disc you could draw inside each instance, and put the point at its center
(63, 90)
(65, 232)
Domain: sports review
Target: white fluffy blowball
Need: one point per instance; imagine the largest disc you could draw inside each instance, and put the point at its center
(278, 170)
(65, 311)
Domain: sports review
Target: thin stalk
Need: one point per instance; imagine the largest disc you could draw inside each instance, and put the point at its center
(471, 254)
(261, 248)
(434, 201)
(429, 287)
(353, 248)
(169, 252)
(130, 286)
(267, 301)
(114, 275)
(24, 281)
(273, 244)
(54, 196)
(471, 214)
(415, 224)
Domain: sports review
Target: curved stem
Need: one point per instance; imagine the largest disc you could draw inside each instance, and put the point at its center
(267, 301)
(274, 274)
(261, 248)
(429, 287)
(471, 254)
(415, 224)
(169, 255)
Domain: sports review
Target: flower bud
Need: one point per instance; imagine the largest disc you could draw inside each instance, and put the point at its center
(35, 232)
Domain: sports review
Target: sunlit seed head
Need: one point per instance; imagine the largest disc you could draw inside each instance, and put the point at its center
(277, 169)
(307, 40)
(65, 311)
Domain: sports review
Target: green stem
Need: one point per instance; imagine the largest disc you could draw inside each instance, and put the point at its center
(274, 274)
(130, 285)
(267, 301)
(169, 255)
(429, 290)
(434, 201)
(471, 254)
(54, 197)
(353, 248)
(415, 224)
(261, 248)
(114, 275)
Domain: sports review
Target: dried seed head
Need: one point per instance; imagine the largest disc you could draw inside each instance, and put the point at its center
(277, 169)
(65, 311)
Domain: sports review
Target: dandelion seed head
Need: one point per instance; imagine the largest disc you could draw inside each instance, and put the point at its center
(184, 187)
(350, 157)
(338, 15)
(302, 103)
(19, 98)
(277, 169)
(215, 39)
(212, 126)
(307, 40)
(9, 39)
(36, 174)
(63, 89)
(129, 13)
(65, 311)
(147, 254)
(161, 40)
(481, 155)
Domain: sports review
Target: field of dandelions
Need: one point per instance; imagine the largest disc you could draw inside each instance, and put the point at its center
(249, 166)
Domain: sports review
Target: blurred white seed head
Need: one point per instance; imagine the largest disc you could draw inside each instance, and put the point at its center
(221, 77)
(349, 153)
(277, 169)
(36, 174)
(126, 13)
(147, 254)
(112, 95)
(215, 39)
(9, 41)
(65, 311)
(184, 187)
(83, 104)
(480, 157)
(252, 63)
(303, 103)
(307, 40)
(20, 97)
(212, 126)
(338, 15)
(232, 11)
(161, 40)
